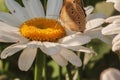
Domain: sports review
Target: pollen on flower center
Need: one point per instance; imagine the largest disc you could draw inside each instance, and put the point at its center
(42, 29)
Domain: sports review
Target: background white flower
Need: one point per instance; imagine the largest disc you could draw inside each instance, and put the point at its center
(94, 25)
(113, 28)
(110, 74)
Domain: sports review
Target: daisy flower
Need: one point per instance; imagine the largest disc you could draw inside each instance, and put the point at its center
(110, 74)
(113, 28)
(30, 28)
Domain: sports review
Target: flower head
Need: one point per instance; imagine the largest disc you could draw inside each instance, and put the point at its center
(30, 28)
(93, 25)
(110, 74)
(113, 29)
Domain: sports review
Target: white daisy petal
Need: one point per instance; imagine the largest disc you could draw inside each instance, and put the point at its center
(37, 8)
(116, 46)
(96, 33)
(113, 18)
(116, 39)
(85, 49)
(25, 13)
(69, 31)
(16, 10)
(95, 16)
(33, 44)
(27, 8)
(117, 6)
(89, 9)
(10, 34)
(50, 48)
(9, 19)
(12, 50)
(58, 8)
(94, 23)
(78, 48)
(59, 59)
(94, 20)
(26, 58)
(112, 1)
(71, 57)
(75, 39)
(113, 28)
(7, 28)
(53, 8)
(110, 74)
(11, 37)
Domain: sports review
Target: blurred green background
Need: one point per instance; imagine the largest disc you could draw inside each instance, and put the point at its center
(94, 64)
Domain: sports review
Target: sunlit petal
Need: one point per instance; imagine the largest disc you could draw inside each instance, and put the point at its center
(89, 9)
(75, 39)
(36, 8)
(16, 10)
(7, 28)
(116, 39)
(12, 50)
(117, 6)
(113, 28)
(78, 48)
(94, 20)
(110, 74)
(112, 19)
(53, 8)
(26, 58)
(59, 59)
(116, 46)
(9, 19)
(50, 48)
(96, 33)
(71, 57)
(11, 37)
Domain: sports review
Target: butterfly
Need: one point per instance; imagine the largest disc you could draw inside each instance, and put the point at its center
(73, 15)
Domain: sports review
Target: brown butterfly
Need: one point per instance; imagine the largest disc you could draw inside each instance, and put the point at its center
(73, 15)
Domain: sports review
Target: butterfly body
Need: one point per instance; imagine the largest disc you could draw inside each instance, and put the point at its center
(73, 15)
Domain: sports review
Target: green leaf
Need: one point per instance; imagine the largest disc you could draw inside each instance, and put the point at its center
(3, 6)
(1, 66)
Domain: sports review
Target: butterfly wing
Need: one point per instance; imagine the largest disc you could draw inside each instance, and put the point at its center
(73, 15)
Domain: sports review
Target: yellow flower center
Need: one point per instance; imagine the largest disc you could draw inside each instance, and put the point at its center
(42, 29)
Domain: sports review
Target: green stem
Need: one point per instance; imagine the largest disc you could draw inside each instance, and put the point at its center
(118, 54)
(44, 4)
(60, 72)
(40, 59)
(69, 72)
(6, 66)
(45, 68)
(81, 68)
(39, 64)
